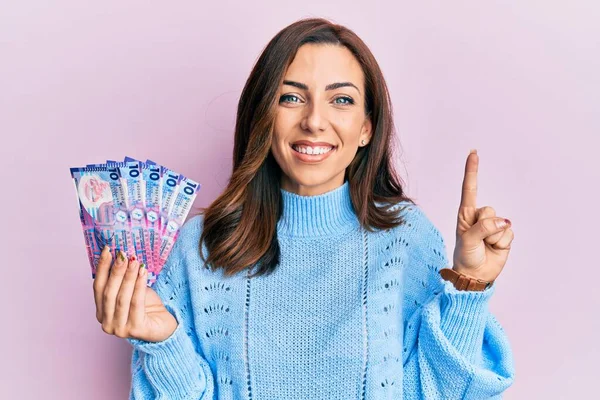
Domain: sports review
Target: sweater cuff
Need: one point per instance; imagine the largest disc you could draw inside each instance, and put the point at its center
(173, 366)
(463, 318)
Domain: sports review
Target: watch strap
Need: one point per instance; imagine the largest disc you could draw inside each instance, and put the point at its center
(464, 282)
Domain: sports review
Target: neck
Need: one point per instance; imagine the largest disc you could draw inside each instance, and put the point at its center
(327, 214)
(294, 187)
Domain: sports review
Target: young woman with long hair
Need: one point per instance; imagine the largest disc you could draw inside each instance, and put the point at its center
(313, 275)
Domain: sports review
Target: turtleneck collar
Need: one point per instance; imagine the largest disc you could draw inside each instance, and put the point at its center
(327, 214)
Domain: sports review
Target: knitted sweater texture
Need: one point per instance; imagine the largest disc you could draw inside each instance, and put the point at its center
(348, 314)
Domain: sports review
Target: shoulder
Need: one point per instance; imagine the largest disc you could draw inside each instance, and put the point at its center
(414, 216)
(425, 229)
(192, 228)
(188, 236)
(187, 243)
(183, 259)
(428, 247)
(185, 250)
(418, 228)
(425, 250)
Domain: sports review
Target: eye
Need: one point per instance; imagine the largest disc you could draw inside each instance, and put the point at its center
(285, 96)
(349, 100)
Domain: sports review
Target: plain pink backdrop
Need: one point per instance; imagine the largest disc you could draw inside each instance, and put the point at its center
(519, 81)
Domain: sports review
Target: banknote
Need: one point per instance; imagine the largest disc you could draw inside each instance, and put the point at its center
(102, 210)
(170, 185)
(87, 224)
(134, 206)
(184, 199)
(152, 197)
(131, 172)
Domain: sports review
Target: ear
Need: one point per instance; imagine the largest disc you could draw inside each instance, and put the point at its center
(367, 130)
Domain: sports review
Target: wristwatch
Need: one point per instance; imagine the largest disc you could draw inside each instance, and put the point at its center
(464, 282)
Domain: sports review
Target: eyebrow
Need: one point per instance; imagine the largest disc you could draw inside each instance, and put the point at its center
(331, 86)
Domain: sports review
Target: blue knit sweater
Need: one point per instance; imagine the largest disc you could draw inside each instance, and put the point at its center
(348, 314)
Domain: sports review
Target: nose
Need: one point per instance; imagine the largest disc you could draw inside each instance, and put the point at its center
(315, 119)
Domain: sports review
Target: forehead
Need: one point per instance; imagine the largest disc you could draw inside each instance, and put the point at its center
(320, 64)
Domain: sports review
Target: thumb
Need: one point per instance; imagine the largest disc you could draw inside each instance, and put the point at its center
(485, 227)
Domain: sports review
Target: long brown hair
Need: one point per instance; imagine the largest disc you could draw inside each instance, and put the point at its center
(240, 226)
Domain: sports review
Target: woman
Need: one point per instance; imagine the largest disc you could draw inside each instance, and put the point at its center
(313, 275)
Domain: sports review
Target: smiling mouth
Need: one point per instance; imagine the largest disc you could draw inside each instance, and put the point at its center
(317, 153)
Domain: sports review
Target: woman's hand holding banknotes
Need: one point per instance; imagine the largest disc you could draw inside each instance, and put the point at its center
(125, 306)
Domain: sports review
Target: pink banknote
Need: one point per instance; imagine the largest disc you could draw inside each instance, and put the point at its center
(184, 199)
(102, 210)
(131, 172)
(134, 206)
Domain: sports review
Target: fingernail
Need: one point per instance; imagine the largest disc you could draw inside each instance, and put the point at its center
(142, 265)
(121, 255)
(473, 151)
(502, 223)
(131, 258)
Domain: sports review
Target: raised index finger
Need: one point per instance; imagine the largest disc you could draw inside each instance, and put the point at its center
(469, 187)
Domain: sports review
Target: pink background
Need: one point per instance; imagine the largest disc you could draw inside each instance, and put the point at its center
(519, 81)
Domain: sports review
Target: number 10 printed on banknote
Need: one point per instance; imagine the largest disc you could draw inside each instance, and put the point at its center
(133, 206)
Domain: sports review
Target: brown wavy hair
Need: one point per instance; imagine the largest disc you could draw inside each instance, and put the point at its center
(240, 226)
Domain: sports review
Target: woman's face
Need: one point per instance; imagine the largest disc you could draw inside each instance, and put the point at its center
(311, 109)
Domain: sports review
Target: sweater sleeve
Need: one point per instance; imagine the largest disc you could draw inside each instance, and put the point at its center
(173, 368)
(454, 348)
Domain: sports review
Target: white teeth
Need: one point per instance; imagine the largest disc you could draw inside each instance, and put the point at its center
(312, 150)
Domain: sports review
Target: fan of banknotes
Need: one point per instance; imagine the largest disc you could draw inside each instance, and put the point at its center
(133, 206)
